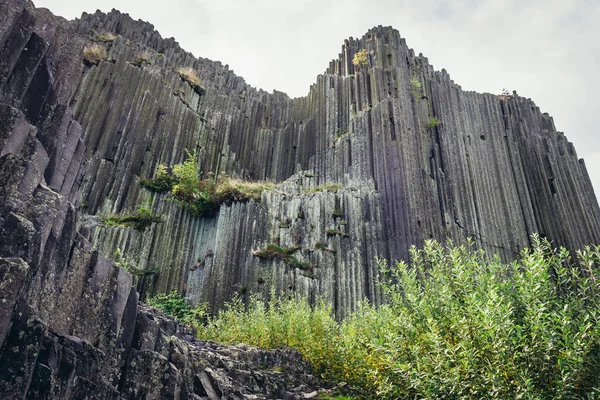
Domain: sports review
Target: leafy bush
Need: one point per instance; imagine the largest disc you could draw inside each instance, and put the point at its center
(457, 324)
(415, 87)
(360, 58)
(203, 197)
(163, 181)
(291, 323)
(433, 122)
(176, 305)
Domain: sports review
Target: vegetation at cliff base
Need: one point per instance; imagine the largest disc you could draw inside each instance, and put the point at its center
(175, 305)
(457, 325)
(203, 196)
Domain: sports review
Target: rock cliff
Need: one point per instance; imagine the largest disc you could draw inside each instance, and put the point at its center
(377, 157)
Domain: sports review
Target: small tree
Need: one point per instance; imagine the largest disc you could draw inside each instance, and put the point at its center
(360, 58)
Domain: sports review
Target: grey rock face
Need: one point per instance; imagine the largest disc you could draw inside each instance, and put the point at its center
(77, 138)
(494, 169)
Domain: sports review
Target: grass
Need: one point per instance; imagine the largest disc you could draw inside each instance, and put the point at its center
(456, 324)
(105, 37)
(94, 53)
(329, 187)
(190, 75)
(142, 58)
(142, 219)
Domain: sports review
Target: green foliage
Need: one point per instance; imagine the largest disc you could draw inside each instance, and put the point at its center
(360, 58)
(203, 197)
(457, 325)
(289, 322)
(341, 132)
(416, 89)
(329, 187)
(176, 305)
(324, 247)
(187, 177)
(141, 220)
(163, 181)
(433, 122)
(272, 251)
(336, 232)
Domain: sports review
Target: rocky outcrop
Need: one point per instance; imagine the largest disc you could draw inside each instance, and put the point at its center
(71, 326)
(494, 168)
(377, 157)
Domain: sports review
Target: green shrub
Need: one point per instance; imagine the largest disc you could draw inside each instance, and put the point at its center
(203, 197)
(361, 57)
(289, 322)
(141, 220)
(272, 251)
(433, 122)
(176, 305)
(415, 87)
(457, 325)
(163, 181)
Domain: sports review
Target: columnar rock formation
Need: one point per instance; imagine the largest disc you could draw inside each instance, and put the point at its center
(76, 139)
(494, 169)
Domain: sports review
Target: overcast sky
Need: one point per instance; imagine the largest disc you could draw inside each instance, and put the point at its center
(548, 50)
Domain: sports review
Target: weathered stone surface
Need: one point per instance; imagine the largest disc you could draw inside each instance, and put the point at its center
(494, 169)
(76, 139)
